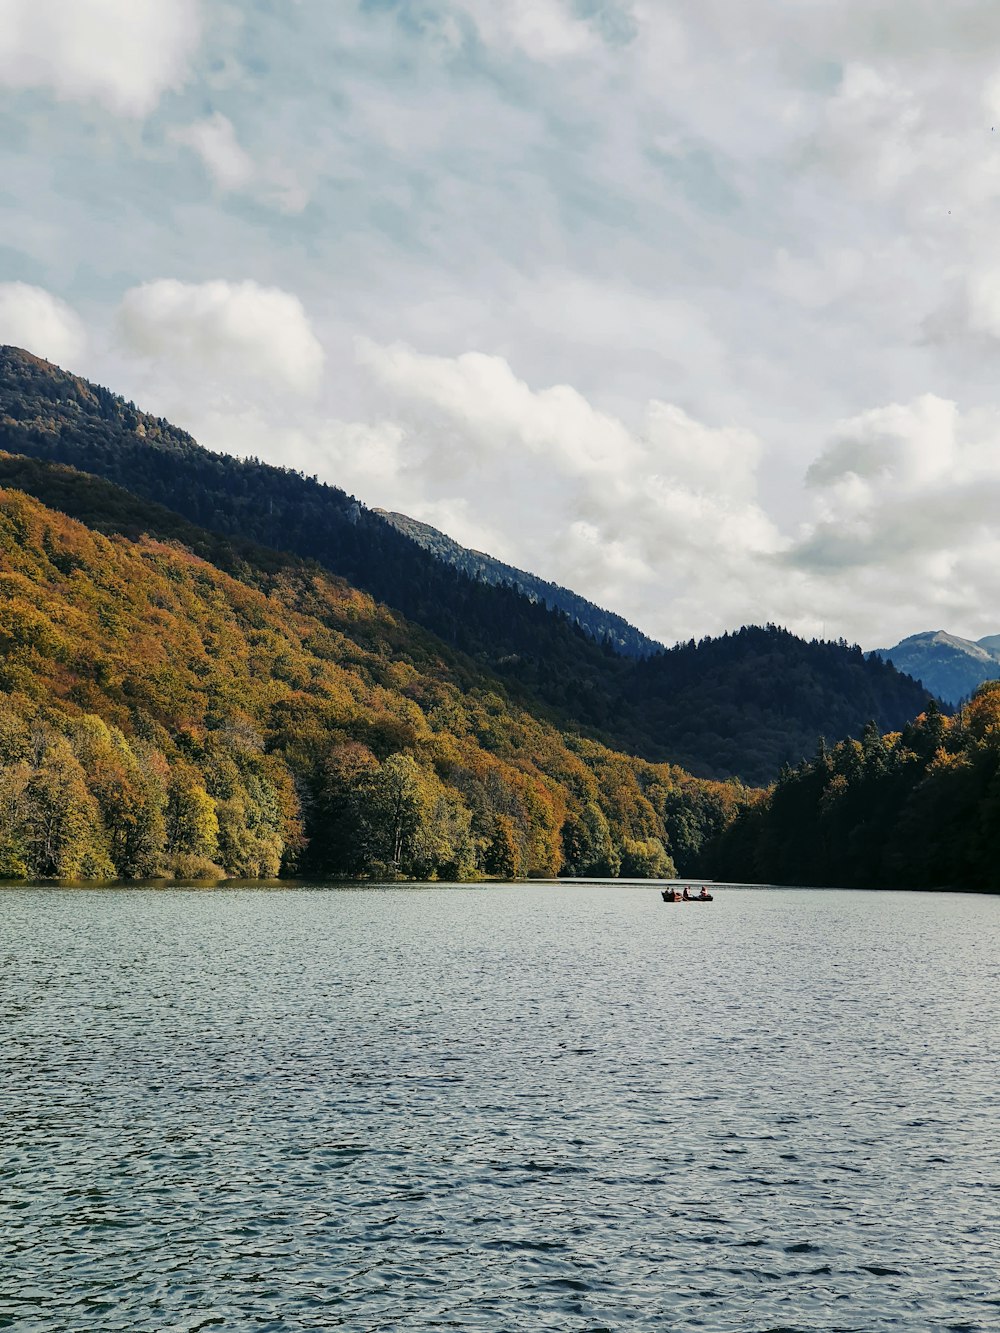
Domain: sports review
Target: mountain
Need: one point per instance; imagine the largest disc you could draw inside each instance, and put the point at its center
(161, 716)
(757, 700)
(950, 667)
(604, 626)
(742, 705)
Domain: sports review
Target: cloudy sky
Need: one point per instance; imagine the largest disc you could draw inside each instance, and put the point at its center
(690, 305)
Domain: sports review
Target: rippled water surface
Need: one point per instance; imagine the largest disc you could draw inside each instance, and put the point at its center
(513, 1107)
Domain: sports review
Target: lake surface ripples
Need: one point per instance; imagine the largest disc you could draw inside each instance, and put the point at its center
(514, 1107)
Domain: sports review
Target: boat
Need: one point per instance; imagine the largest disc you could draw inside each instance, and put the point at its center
(672, 896)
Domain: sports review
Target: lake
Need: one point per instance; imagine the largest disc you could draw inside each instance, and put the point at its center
(505, 1107)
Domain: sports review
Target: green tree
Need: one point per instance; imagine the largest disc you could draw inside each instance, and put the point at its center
(503, 852)
(646, 858)
(14, 849)
(588, 847)
(337, 815)
(442, 845)
(192, 824)
(250, 823)
(64, 832)
(131, 803)
(396, 808)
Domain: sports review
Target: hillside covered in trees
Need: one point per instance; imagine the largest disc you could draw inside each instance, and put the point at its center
(602, 626)
(918, 808)
(159, 716)
(742, 705)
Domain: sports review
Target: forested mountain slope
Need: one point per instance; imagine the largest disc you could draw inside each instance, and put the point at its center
(159, 716)
(741, 705)
(604, 626)
(756, 700)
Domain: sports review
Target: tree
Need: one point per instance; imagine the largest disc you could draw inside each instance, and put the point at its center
(338, 842)
(587, 844)
(443, 846)
(64, 832)
(131, 802)
(646, 859)
(503, 855)
(192, 824)
(15, 855)
(395, 808)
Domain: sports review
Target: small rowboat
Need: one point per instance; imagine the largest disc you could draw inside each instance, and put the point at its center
(671, 896)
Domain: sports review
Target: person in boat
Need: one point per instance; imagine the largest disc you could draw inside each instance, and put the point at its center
(704, 892)
(685, 895)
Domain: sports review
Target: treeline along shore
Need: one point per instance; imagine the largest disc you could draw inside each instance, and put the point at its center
(919, 808)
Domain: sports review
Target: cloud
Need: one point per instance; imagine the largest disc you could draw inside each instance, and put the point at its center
(583, 500)
(982, 302)
(215, 142)
(713, 461)
(233, 169)
(663, 522)
(238, 329)
(906, 498)
(123, 54)
(481, 395)
(360, 457)
(892, 449)
(39, 322)
(545, 30)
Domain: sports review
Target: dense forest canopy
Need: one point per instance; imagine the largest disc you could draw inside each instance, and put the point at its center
(918, 808)
(742, 705)
(159, 716)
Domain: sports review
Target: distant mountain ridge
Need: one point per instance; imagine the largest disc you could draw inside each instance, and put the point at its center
(950, 667)
(604, 626)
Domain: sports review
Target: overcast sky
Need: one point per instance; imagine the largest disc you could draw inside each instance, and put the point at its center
(690, 305)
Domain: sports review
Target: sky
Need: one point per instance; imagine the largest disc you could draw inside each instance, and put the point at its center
(692, 306)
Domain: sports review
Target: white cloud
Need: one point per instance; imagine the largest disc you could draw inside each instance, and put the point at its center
(664, 523)
(215, 142)
(983, 302)
(234, 170)
(876, 129)
(481, 395)
(39, 322)
(894, 448)
(820, 280)
(713, 461)
(123, 54)
(904, 521)
(584, 500)
(545, 30)
(238, 329)
(359, 457)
